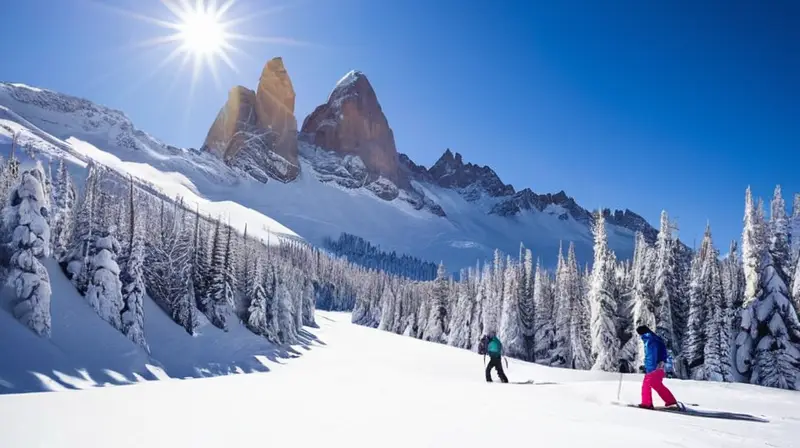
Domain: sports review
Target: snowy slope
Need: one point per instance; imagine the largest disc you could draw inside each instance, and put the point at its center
(309, 207)
(371, 388)
(86, 352)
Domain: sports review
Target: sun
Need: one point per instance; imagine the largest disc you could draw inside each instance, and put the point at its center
(202, 33)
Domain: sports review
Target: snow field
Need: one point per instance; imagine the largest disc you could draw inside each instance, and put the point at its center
(364, 387)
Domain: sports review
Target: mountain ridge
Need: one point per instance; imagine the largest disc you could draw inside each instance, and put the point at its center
(453, 211)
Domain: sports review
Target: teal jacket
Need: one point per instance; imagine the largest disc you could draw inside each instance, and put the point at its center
(495, 347)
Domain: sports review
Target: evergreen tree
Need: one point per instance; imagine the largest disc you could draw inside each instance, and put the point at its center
(733, 286)
(461, 324)
(563, 310)
(544, 302)
(257, 311)
(76, 261)
(24, 216)
(510, 329)
(64, 197)
(580, 334)
(644, 304)
(700, 288)
(716, 332)
(104, 292)
(388, 308)
(766, 346)
(436, 330)
(219, 301)
(287, 330)
(132, 279)
(527, 307)
(665, 284)
(605, 344)
(779, 237)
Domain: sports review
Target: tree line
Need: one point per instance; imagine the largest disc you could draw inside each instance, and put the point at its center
(731, 318)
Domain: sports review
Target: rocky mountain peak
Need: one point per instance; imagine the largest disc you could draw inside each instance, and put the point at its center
(352, 122)
(256, 130)
(450, 171)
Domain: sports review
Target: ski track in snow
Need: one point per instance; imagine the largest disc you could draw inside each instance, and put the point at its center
(370, 388)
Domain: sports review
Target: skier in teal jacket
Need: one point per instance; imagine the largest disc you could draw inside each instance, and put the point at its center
(495, 352)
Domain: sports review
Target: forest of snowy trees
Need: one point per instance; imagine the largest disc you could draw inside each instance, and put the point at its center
(361, 252)
(724, 319)
(118, 239)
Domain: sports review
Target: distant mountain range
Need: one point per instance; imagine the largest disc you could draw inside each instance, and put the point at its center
(340, 172)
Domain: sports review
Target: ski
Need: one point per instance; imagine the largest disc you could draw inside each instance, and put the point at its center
(683, 409)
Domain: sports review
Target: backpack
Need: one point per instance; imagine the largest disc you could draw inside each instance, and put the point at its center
(483, 345)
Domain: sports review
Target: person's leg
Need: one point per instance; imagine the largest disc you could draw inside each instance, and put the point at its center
(658, 384)
(489, 369)
(647, 395)
(500, 372)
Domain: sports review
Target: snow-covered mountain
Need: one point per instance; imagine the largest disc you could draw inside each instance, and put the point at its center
(339, 173)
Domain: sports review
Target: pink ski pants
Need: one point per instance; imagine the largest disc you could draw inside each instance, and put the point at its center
(655, 380)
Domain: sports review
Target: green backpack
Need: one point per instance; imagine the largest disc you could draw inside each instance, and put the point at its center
(495, 347)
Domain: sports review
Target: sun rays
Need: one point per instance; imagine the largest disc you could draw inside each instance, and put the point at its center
(204, 35)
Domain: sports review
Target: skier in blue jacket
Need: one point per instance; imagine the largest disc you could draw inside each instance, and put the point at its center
(655, 355)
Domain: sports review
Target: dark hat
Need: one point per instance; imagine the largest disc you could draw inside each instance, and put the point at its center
(642, 329)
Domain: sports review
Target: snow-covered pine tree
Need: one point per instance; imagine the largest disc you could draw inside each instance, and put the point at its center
(699, 306)
(436, 330)
(257, 311)
(603, 302)
(794, 247)
(527, 307)
(580, 335)
(388, 307)
(287, 330)
(76, 262)
(309, 304)
(219, 301)
(510, 329)
(493, 299)
(461, 322)
(733, 286)
(184, 301)
(24, 216)
(562, 356)
(779, 237)
(10, 172)
(766, 346)
(200, 264)
(544, 303)
(665, 284)
(63, 205)
(132, 278)
(715, 329)
(477, 329)
(644, 305)
(104, 291)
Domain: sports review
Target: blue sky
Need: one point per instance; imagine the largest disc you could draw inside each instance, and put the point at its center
(625, 104)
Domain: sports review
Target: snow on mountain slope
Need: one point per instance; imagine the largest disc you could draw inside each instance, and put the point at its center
(311, 206)
(86, 352)
(176, 172)
(371, 388)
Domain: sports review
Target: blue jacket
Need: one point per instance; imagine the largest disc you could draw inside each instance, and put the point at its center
(655, 351)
